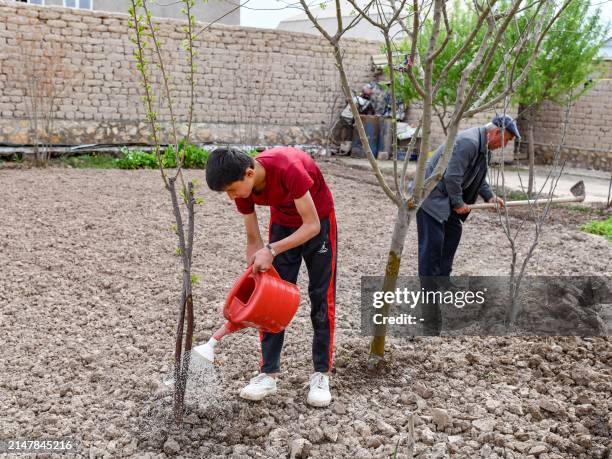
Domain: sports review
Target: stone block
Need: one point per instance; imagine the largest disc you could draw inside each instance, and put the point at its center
(91, 19)
(118, 29)
(111, 21)
(57, 23)
(96, 29)
(48, 14)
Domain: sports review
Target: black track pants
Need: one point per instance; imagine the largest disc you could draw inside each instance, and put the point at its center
(319, 254)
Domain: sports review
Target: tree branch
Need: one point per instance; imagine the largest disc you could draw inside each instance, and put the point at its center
(466, 45)
(515, 83)
(334, 41)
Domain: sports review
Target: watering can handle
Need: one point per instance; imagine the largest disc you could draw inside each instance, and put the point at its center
(272, 272)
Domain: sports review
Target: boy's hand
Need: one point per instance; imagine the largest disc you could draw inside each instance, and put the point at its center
(251, 251)
(262, 260)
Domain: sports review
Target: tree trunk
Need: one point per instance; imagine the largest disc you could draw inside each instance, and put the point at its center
(529, 115)
(182, 351)
(609, 200)
(400, 230)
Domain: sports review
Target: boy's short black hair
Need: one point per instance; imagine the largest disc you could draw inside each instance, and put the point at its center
(225, 166)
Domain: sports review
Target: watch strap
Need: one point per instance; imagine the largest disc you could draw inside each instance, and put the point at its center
(271, 249)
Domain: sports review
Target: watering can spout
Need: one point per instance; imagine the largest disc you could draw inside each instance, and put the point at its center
(204, 353)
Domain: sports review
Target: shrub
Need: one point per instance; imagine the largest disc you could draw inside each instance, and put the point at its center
(137, 160)
(599, 227)
(169, 157)
(195, 157)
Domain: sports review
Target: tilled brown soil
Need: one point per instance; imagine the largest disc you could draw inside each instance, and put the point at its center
(89, 288)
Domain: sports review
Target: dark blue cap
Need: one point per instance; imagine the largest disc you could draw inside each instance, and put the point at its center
(506, 122)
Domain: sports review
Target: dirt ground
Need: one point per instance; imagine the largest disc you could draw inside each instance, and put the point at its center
(89, 287)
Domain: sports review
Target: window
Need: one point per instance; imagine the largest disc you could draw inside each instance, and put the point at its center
(32, 2)
(81, 4)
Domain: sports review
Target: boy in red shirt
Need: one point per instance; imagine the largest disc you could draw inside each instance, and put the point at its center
(302, 226)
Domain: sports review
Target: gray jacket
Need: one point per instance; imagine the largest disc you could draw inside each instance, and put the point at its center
(465, 177)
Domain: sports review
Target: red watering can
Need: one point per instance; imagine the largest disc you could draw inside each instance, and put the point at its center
(263, 301)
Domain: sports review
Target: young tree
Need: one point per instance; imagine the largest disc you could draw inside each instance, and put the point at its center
(494, 20)
(148, 52)
(567, 57)
(539, 209)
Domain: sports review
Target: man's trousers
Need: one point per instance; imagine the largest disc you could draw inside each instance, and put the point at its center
(319, 254)
(438, 243)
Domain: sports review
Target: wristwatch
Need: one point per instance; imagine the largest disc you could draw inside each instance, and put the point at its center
(271, 249)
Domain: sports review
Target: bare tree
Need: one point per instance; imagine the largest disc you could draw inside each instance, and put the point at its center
(539, 208)
(494, 19)
(253, 77)
(44, 78)
(329, 91)
(609, 199)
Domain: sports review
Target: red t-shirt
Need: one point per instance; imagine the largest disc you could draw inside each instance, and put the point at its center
(290, 173)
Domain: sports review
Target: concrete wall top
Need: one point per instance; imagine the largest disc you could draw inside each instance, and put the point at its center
(210, 11)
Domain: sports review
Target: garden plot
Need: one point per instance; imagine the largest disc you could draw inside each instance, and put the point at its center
(89, 292)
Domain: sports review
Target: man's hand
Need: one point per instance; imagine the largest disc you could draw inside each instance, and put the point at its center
(497, 200)
(261, 260)
(465, 209)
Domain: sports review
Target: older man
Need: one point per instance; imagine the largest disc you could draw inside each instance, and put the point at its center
(441, 215)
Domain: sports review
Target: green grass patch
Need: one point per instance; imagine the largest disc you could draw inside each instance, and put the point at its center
(90, 161)
(578, 208)
(599, 227)
(511, 195)
(195, 158)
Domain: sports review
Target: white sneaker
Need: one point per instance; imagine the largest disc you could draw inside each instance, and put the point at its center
(259, 387)
(319, 394)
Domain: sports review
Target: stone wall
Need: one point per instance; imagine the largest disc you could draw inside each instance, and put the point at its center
(252, 85)
(588, 142)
